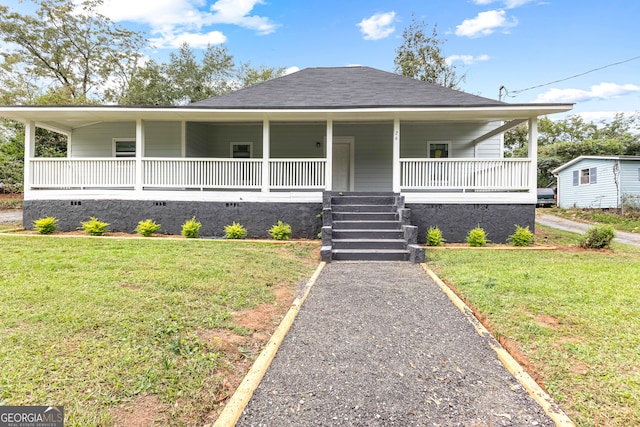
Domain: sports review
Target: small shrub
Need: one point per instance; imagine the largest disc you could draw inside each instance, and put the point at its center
(280, 231)
(477, 237)
(434, 237)
(521, 237)
(94, 227)
(598, 237)
(46, 225)
(191, 228)
(234, 231)
(147, 227)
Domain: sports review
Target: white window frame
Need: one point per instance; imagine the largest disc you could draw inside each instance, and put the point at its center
(447, 143)
(231, 144)
(587, 176)
(115, 143)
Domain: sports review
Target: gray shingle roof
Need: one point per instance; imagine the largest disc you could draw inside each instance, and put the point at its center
(344, 87)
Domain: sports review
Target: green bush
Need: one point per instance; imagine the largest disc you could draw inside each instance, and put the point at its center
(147, 227)
(521, 237)
(191, 228)
(434, 237)
(280, 231)
(234, 231)
(46, 225)
(598, 237)
(94, 227)
(477, 237)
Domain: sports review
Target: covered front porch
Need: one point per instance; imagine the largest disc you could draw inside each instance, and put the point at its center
(439, 161)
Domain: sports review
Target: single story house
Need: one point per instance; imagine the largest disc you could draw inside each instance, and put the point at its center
(269, 152)
(598, 181)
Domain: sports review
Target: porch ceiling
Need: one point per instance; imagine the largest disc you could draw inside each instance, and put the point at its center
(71, 117)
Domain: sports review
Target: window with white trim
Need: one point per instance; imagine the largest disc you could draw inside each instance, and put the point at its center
(585, 176)
(241, 150)
(438, 149)
(124, 147)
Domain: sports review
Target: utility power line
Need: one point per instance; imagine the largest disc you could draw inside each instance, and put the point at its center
(515, 93)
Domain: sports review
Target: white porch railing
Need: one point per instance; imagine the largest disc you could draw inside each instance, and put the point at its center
(202, 173)
(302, 174)
(305, 174)
(465, 174)
(82, 173)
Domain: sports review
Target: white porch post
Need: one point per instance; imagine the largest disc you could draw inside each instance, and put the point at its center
(328, 179)
(266, 149)
(396, 156)
(139, 153)
(533, 155)
(29, 151)
(183, 139)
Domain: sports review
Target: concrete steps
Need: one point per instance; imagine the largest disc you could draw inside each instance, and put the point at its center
(368, 226)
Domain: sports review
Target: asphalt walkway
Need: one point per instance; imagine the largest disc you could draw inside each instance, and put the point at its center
(380, 344)
(580, 227)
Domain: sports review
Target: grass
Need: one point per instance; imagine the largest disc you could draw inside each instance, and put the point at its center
(574, 314)
(94, 323)
(629, 222)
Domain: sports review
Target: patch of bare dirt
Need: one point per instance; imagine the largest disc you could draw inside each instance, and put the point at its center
(141, 412)
(547, 321)
(239, 350)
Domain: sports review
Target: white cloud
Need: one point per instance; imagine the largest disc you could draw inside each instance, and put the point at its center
(291, 70)
(509, 4)
(237, 12)
(378, 26)
(601, 91)
(486, 23)
(194, 40)
(466, 59)
(607, 116)
(184, 20)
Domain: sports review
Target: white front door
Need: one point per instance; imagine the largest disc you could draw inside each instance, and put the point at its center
(341, 166)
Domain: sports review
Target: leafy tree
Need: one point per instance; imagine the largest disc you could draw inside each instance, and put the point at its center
(185, 79)
(74, 50)
(563, 140)
(249, 76)
(420, 57)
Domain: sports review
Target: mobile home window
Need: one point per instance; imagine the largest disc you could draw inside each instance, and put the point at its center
(588, 176)
(241, 150)
(124, 147)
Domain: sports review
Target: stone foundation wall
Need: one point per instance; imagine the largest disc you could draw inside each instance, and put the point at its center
(123, 215)
(455, 221)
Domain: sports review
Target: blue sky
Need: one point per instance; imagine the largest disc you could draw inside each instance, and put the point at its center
(513, 43)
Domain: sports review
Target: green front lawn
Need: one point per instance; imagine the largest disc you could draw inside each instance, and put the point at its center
(574, 314)
(96, 324)
(629, 222)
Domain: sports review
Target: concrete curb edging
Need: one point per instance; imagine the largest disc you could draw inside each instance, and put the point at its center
(551, 408)
(240, 398)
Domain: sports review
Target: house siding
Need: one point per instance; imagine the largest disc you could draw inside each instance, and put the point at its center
(414, 138)
(197, 144)
(97, 140)
(630, 177)
(295, 140)
(373, 154)
(163, 139)
(220, 137)
(602, 194)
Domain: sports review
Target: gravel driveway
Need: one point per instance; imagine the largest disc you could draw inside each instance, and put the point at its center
(580, 227)
(11, 216)
(379, 344)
